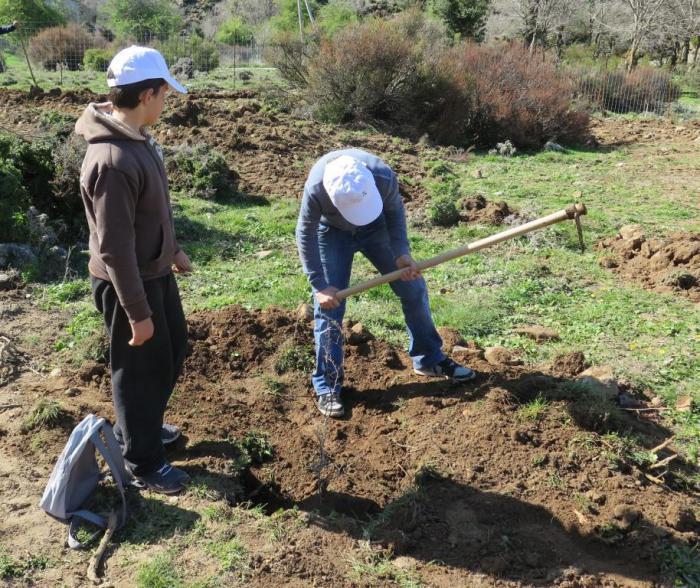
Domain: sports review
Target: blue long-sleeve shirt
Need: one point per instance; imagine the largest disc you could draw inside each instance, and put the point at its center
(316, 208)
(6, 29)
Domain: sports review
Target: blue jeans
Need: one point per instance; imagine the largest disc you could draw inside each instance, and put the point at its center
(337, 250)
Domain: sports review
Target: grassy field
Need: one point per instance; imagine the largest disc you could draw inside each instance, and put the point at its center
(245, 253)
(17, 77)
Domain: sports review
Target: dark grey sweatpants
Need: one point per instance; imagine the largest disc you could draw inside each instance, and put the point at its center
(143, 377)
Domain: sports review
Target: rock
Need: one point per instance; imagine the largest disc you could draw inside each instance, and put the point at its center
(601, 381)
(359, 334)
(501, 356)
(539, 334)
(467, 354)
(16, 256)
(264, 254)
(305, 312)
(685, 404)
(628, 515)
(9, 280)
(632, 232)
(184, 68)
(608, 262)
(71, 392)
(55, 373)
(450, 337)
(657, 401)
(555, 147)
(477, 174)
(681, 519)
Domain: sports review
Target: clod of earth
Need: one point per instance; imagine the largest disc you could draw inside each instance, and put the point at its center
(671, 264)
(501, 356)
(450, 338)
(467, 354)
(359, 334)
(539, 334)
(478, 209)
(305, 312)
(682, 519)
(601, 380)
(569, 365)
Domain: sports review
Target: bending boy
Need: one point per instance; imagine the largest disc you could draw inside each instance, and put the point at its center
(352, 203)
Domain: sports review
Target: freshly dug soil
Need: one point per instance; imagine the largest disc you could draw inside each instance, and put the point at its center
(468, 488)
(670, 264)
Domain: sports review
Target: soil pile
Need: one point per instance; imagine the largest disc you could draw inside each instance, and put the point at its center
(671, 264)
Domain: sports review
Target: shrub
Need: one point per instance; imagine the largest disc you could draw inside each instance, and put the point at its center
(201, 171)
(14, 200)
(466, 19)
(287, 18)
(443, 212)
(234, 32)
(336, 15)
(204, 53)
(519, 98)
(97, 59)
(44, 14)
(143, 19)
(643, 90)
(65, 45)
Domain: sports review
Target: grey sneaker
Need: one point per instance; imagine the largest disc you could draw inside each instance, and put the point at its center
(448, 369)
(166, 480)
(169, 434)
(330, 405)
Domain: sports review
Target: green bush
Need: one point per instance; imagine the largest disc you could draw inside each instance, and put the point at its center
(443, 212)
(14, 200)
(203, 53)
(466, 19)
(287, 19)
(200, 171)
(44, 14)
(234, 32)
(336, 15)
(143, 19)
(97, 59)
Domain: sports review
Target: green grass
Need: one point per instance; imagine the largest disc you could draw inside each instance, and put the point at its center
(159, 572)
(46, 414)
(533, 410)
(85, 337)
(376, 569)
(681, 563)
(18, 77)
(233, 557)
(21, 567)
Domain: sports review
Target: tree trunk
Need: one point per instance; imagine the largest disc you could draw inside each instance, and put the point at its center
(685, 51)
(633, 54)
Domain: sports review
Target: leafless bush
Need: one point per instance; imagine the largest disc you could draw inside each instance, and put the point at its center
(63, 45)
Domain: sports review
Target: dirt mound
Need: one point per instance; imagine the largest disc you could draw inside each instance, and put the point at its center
(670, 264)
(478, 209)
(468, 475)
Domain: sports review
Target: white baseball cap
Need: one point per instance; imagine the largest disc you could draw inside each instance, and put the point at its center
(136, 64)
(352, 190)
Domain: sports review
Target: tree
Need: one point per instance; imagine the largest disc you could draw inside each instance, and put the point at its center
(466, 18)
(234, 32)
(143, 19)
(36, 13)
(644, 19)
(287, 18)
(336, 15)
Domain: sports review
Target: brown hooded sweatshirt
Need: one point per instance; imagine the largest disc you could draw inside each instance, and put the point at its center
(125, 192)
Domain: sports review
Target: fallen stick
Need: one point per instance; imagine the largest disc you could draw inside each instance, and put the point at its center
(570, 212)
(664, 445)
(101, 548)
(9, 406)
(658, 409)
(663, 462)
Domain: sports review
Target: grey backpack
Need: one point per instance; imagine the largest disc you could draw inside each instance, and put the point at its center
(76, 475)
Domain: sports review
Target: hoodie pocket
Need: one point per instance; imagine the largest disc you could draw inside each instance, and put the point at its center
(166, 252)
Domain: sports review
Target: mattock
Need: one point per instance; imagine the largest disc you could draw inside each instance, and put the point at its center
(573, 211)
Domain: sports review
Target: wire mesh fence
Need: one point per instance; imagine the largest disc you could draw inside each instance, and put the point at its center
(76, 55)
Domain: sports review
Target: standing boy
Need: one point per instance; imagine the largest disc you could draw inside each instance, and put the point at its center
(352, 203)
(133, 251)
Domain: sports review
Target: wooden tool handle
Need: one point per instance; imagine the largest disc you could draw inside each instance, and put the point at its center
(569, 212)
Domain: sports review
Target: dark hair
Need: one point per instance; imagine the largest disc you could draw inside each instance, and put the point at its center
(128, 95)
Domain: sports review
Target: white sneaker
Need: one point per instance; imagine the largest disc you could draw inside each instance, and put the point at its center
(330, 405)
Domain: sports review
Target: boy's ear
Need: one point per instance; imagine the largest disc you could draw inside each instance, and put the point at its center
(146, 95)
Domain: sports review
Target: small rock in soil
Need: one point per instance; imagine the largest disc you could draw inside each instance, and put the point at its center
(601, 381)
(628, 515)
(55, 373)
(71, 392)
(684, 404)
(467, 354)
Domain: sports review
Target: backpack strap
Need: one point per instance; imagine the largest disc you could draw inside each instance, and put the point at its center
(90, 517)
(109, 452)
(117, 472)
